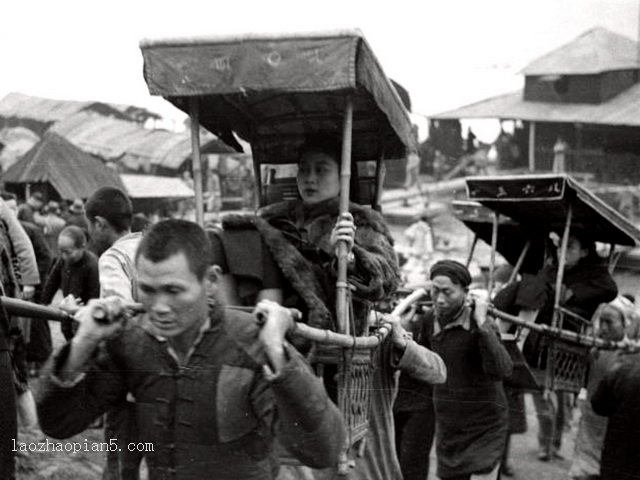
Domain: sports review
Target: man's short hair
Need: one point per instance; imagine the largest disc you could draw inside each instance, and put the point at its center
(76, 234)
(171, 237)
(113, 205)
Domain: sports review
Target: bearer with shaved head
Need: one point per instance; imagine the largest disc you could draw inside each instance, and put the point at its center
(214, 387)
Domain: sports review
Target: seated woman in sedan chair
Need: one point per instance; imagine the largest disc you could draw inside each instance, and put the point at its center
(286, 252)
(292, 259)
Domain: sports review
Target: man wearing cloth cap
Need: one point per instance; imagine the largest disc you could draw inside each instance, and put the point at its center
(471, 408)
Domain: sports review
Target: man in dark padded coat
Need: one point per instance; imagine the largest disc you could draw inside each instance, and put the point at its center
(213, 388)
(471, 407)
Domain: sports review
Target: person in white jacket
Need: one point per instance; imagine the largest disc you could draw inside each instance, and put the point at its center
(110, 212)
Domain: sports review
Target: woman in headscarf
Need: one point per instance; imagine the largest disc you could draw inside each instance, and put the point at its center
(612, 321)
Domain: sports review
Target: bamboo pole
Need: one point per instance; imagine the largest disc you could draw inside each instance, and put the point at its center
(612, 260)
(561, 264)
(587, 341)
(472, 250)
(494, 247)
(15, 306)
(342, 309)
(557, 314)
(196, 163)
(339, 339)
(520, 261)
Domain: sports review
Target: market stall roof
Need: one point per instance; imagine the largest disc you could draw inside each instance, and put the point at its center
(623, 110)
(48, 110)
(17, 142)
(130, 143)
(541, 201)
(595, 51)
(154, 186)
(273, 90)
(70, 171)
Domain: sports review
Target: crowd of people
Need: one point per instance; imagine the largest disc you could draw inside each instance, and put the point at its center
(157, 349)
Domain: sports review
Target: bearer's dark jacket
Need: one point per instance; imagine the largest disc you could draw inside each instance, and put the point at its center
(215, 416)
(471, 407)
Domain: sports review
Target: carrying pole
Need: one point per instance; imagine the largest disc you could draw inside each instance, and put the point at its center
(494, 247)
(196, 164)
(342, 309)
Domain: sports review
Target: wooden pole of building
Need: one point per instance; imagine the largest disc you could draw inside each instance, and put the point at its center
(342, 309)
(532, 146)
(196, 164)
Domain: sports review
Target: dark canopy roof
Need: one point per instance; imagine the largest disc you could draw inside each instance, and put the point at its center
(512, 236)
(542, 201)
(275, 90)
(70, 171)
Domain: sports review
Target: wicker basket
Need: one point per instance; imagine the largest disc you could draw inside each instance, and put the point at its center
(568, 365)
(350, 371)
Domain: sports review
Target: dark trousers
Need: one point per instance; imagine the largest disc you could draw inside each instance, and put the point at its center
(8, 416)
(550, 421)
(121, 424)
(414, 438)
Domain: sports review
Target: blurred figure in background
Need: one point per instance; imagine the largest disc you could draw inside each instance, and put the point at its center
(140, 223)
(39, 345)
(420, 237)
(616, 397)
(633, 326)
(75, 272)
(611, 322)
(30, 210)
(109, 212)
(53, 224)
(43, 255)
(18, 273)
(77, 217)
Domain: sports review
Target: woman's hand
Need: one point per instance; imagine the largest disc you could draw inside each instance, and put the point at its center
(344, 231)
